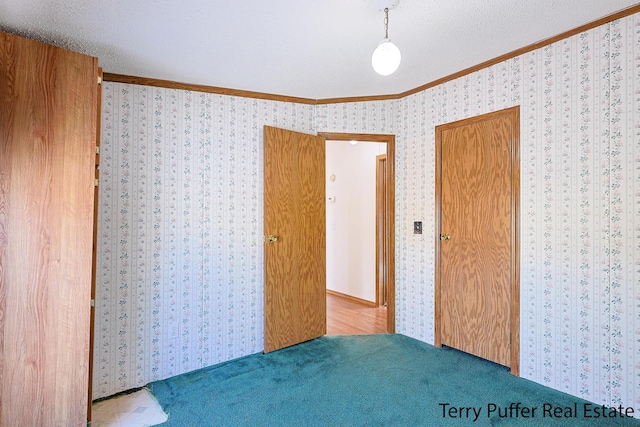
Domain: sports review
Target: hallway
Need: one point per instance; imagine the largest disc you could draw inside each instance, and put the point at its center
(347, 317)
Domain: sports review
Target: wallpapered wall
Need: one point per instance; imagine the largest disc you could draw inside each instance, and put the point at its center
(180, 225)
(180, 231)
(180, 247)
(580, 206)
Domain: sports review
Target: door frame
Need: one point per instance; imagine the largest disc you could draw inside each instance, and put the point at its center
(382, 224)
(513, 113)
(94, 260)
(390, 140)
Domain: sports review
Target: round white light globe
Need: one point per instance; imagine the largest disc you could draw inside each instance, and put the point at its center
(386, 58)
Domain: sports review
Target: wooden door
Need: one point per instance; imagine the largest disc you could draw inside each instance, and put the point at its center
(295, 257)
(477, 293)
(47, 145)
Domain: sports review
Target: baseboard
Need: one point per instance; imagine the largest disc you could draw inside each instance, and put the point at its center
(351, 298)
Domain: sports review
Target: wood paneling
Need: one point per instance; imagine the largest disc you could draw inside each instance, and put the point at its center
(48, 114)
(477, 200)
(390, 232)
(294, 211)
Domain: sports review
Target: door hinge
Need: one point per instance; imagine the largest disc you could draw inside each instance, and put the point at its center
(96, 182)
(93, 303)
(99, 80)
(97, 150)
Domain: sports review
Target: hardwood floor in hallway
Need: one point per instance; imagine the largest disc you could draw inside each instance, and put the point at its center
(347, 317)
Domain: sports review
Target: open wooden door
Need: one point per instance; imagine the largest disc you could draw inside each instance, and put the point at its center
(48, 103)
(295, 228)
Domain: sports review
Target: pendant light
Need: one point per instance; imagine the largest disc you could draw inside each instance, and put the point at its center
(386, 57)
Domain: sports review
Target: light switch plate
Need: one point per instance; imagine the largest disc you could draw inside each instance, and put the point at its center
(417, 227)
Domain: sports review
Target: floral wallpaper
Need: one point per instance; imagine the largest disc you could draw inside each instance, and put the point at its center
(579, 104)
(180, 258)
(180, 263)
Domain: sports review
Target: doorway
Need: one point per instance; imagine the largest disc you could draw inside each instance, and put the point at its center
(477, 269)
(295, 225)
(369, 302)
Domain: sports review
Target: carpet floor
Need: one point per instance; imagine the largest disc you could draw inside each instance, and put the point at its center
(369, 380)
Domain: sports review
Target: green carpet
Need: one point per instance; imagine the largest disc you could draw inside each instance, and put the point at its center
(367, 380)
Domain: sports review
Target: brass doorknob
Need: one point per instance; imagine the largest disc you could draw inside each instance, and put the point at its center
(272, 238)
(445, 237)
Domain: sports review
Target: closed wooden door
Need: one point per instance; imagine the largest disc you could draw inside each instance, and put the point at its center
(295, 228)
(47, 154)
(477, 299)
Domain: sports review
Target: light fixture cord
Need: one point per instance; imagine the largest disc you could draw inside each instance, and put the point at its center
(386, 22)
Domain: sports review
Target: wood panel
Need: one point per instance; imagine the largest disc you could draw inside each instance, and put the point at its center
(476, 280)
(47, 138)
(294, 211)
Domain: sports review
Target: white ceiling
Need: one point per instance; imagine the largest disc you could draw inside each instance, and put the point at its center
(306, 48)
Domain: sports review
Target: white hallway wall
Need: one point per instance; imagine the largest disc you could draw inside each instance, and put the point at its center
(180, 251)
(351, 219)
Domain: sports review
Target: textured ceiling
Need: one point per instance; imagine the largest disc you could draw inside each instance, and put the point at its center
(306, 48)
